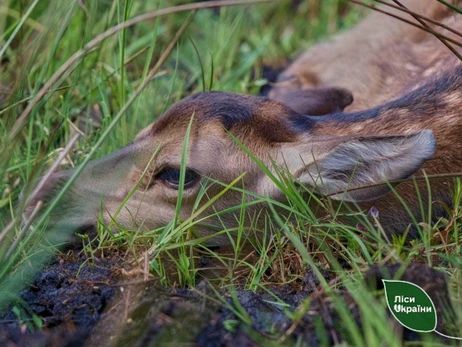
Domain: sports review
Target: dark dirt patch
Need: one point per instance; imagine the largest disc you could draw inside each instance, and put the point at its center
(199, 316)
(195, 316)
(85, 305)
(69, 297)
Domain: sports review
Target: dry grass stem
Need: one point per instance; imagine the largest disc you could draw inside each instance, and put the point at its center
(53, 167)
(442, 40)
(24, 229)
(415, 15)
(372, 7)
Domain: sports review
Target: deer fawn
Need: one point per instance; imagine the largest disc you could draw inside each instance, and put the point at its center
(405, 119)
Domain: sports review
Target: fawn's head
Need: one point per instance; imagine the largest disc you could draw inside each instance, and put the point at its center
(223, 129)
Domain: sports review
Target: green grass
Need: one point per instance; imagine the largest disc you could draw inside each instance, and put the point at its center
(119, 83)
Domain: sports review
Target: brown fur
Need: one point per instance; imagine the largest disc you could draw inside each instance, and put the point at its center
(441, 113)
(407, 93)
(380, 60)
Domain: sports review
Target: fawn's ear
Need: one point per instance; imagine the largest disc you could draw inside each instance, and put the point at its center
(349, 163)
(316, 101)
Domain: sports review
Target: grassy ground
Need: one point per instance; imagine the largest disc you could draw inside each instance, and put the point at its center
(220, 50)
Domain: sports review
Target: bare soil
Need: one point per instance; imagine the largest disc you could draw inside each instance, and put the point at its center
(91, 303)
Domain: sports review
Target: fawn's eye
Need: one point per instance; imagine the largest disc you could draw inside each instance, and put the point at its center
(172, 176)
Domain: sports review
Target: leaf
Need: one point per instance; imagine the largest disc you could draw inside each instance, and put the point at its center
(410, 305)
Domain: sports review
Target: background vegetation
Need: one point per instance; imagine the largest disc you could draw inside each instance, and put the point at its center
(222, 49)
